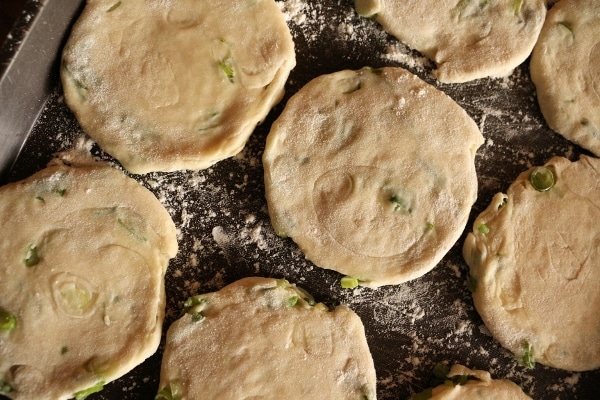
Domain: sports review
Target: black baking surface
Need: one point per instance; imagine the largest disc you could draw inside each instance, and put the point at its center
(225, 233)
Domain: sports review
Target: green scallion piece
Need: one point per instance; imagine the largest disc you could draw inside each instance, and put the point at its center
(399, 203)
(31, 256)
(198, 316)
(304, 295)
(292, 301)
(5, 387)
(283, 283)
(164, 394)
(7, 321)
(367, 9)
(173, 391)
(349, 282)
(227, 68)
(80, 84)
(191, 303)
(132, 231)
(517, 5)
(542, 179)
(483, 228)
(82, 394)
(528, 359)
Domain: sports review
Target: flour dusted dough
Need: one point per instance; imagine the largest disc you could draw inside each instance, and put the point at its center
(84, 253)
(467, 39)
(371, 173)
(177, 84)
(262, 338)
(565, 68)
(535, 258)
(480, 385)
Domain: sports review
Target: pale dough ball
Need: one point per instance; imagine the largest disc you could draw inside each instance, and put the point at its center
(371, 173)
(84, 254)
(266, 338)
(178, 84)
(467, 39)
(534, 257)
(565, 68)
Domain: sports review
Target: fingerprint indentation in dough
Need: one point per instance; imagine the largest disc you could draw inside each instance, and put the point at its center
(73, 294)
(161, 92)
(354, 206)
(184, 17)
(315, 342)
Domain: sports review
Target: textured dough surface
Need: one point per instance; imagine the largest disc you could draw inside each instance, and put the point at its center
(467, 39)
(263, 338)
(482, 387)
(538, 266)
(178, 84)
(565, 68)
(371, 173)
(89, 301)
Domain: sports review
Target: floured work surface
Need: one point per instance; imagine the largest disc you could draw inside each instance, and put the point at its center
(225, 233)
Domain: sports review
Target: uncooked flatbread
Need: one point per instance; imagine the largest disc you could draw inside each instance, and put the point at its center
(371, 173)
(565, 68)
(535, 260)
(170, 85)
(84, 254)
(265, 338)
(478, 385)
(467, 39)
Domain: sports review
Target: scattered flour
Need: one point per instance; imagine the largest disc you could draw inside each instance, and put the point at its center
(402, 54)
(225, 233)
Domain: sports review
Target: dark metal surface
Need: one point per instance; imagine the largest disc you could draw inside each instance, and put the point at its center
(29, 73)
(221, 213)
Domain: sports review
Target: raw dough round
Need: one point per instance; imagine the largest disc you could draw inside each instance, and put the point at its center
(478, 385)
(565, 68)
(534, 258)
(371, 173)
(264, 338)
(179, 84)
(84, 254)
(467, 39)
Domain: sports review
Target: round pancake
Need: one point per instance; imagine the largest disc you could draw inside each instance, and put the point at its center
(371, 173)
(464, 383)
(534, 260)
(258, 337)
(467, 39)
(178, 84)
(85, 250)
(565, 68)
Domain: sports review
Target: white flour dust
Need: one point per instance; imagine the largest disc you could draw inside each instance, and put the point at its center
(224, 228)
